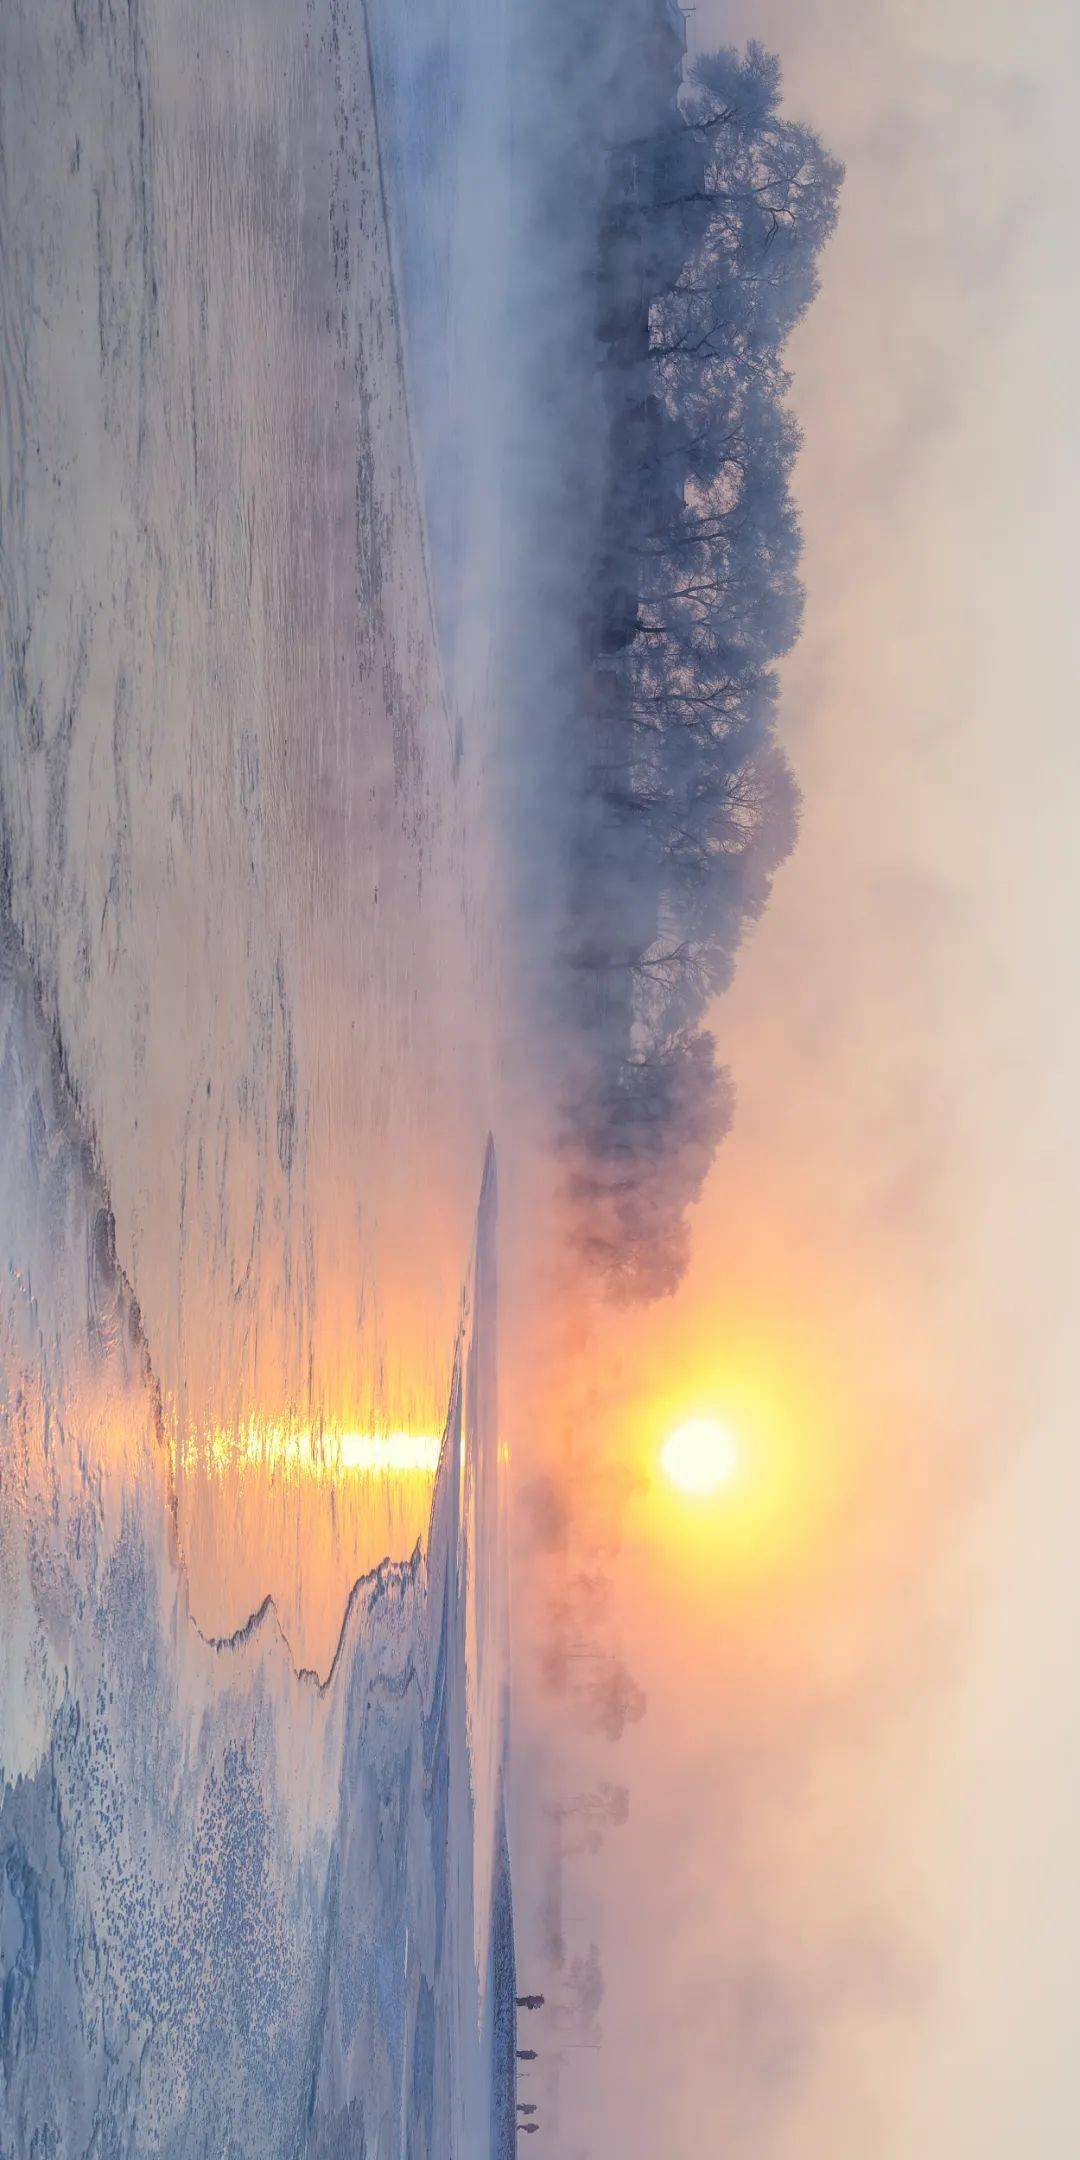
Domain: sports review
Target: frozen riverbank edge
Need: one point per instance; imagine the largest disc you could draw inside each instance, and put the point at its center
(244, 1911)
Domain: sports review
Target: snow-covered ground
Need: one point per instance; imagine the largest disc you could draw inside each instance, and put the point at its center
(243, 1911)
(248, 1060)
(244, 851)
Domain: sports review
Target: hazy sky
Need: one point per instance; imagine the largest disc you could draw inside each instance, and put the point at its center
(845, 1916)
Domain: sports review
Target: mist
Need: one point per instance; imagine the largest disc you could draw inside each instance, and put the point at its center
(606, 447)
(865, 1936)
(852, 1220)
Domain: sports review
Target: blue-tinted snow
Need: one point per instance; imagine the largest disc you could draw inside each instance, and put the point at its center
(243, 1911)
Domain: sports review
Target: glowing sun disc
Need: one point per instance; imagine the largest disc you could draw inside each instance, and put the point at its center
(699, 1457)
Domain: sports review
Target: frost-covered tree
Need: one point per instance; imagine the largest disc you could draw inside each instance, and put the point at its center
(755, 196)
(646, 1136)
(714, 230)
(586, 1821)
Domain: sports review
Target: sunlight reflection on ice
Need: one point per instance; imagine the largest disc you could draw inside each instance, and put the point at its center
(310, 1452)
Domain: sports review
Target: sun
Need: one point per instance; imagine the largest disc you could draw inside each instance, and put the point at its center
(699, 1457)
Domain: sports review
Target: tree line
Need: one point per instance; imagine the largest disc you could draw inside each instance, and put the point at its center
(712, 229)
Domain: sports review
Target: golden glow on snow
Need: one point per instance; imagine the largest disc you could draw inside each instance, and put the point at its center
(306, 1451)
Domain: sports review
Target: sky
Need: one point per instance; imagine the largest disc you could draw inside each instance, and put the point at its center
(844, 1915)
